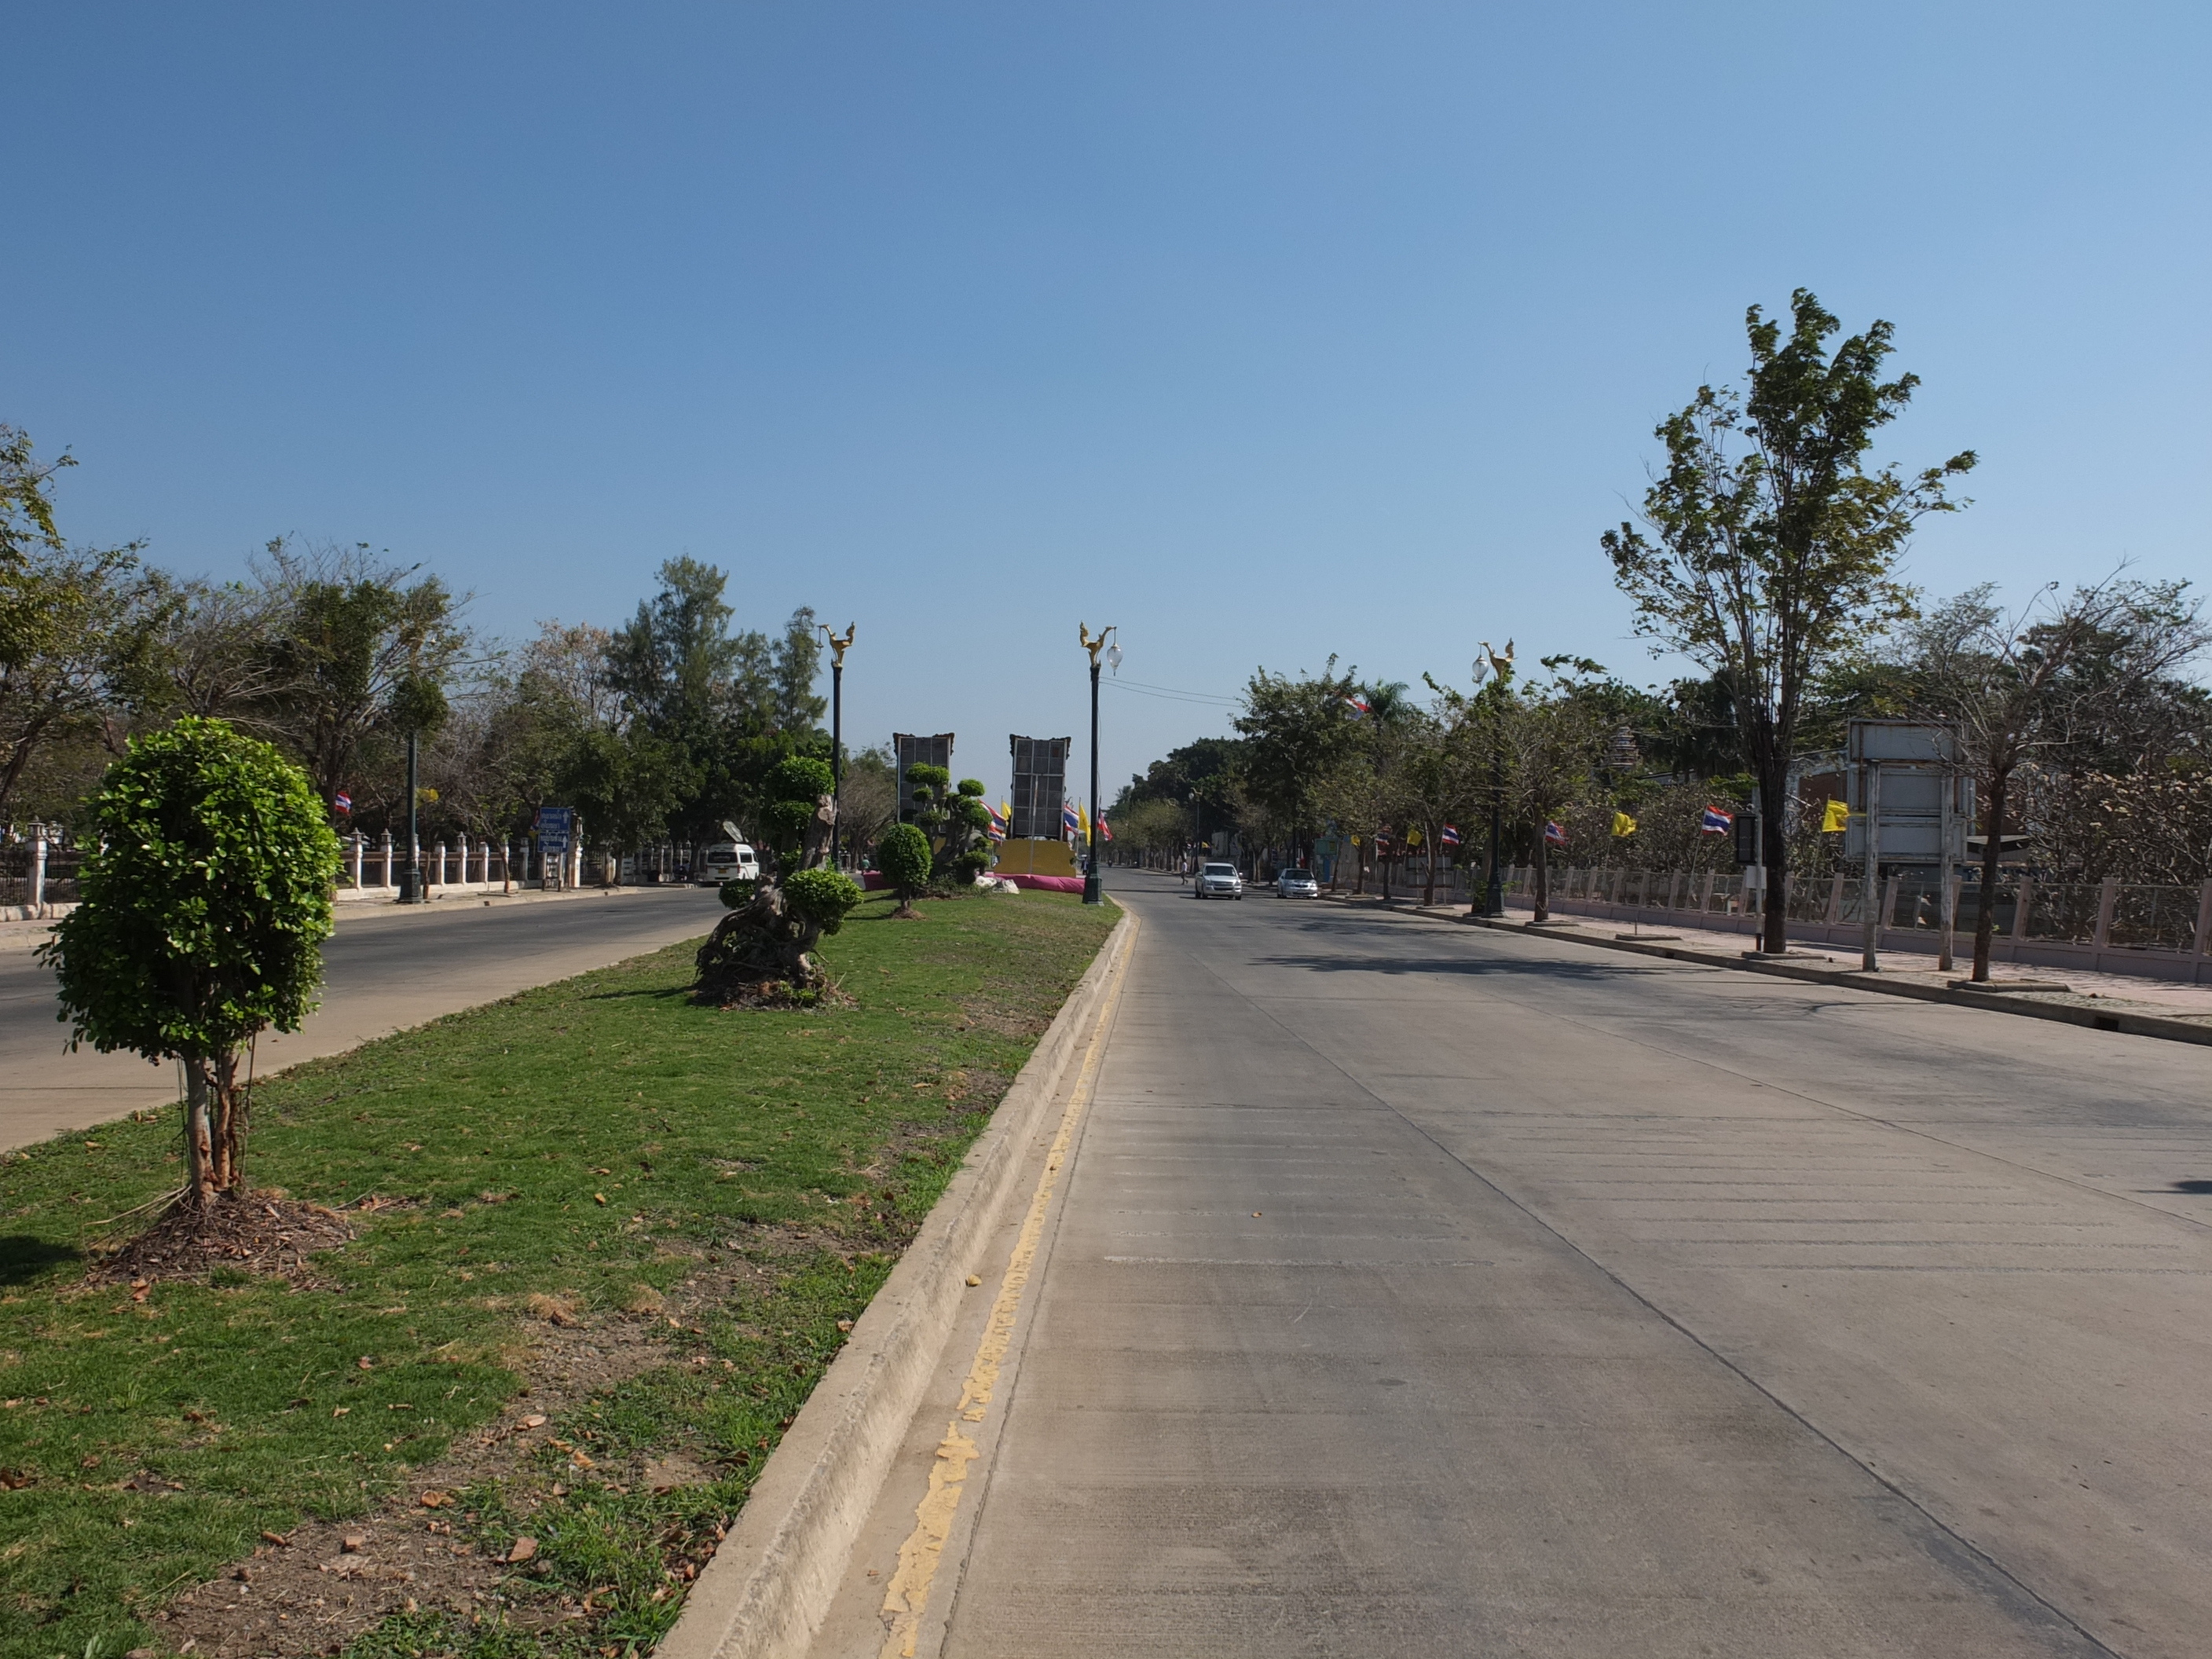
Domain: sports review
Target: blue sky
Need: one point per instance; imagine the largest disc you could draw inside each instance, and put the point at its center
(1264, 331)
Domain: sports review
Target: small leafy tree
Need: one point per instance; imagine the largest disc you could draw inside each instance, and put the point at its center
(902, 854)
(203, 917)
(796, 819)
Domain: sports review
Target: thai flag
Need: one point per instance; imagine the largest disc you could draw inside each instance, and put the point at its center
(1451, 836)
(1359, 705)
(1715, 821)
(1555, 835)
(342, 802)
(997, 829)
(1104, 834)
(1068, 821)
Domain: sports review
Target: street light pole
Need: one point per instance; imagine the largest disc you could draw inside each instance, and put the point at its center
(837, 648)
(1093, 892)
(1493, 890)
(411, 891)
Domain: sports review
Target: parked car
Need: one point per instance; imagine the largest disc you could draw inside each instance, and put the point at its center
(728, 861)
(1296, 884)
(1217, 881)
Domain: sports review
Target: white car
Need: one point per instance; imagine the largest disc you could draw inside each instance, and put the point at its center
(1296, 884)
(1217, 881)
(728, 860)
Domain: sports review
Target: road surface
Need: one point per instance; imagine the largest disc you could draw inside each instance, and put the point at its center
(388, 967)
(1417, 1290)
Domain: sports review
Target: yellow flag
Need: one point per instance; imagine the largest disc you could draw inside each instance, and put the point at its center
(1623, 824)
(1835, 818)
(1413, 838)
(1082, 823)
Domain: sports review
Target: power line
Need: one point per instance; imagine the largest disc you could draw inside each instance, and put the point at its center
(1174, 693)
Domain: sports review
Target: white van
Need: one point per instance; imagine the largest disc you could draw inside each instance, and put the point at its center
(728, 860)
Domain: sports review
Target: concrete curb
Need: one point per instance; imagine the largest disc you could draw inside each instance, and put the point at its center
(771, 1580)
(2066, 1013)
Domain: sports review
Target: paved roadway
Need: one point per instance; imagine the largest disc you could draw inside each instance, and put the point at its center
(1419, 1290)
(388, 968)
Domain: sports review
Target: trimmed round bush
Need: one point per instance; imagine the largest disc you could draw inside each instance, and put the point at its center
(737, 892)
(903, 855)
(822, 897)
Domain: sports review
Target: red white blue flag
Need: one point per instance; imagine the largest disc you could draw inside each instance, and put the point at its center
(1450, 835)
(341, 801)
(1359, 705)
(1715, 821)
(1555, 835)
(1068, 821)
(997, 828)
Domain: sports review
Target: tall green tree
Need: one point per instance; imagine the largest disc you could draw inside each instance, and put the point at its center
(1767, 546)
(354, 641)
(1296, 729)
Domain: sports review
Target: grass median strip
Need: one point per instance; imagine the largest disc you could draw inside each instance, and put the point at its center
(605, 1242)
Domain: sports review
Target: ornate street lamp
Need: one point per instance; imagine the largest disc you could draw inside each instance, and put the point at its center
(837, 649)
(1092, 893)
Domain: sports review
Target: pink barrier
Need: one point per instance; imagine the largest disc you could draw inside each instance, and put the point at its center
(1046, 883)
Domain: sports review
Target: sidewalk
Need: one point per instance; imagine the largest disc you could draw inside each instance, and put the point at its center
(2148, 1007)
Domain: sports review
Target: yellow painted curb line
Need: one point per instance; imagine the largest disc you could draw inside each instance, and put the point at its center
(907, 1596)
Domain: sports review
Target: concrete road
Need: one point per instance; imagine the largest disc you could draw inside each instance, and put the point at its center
(388, 968)
(1418, 1290)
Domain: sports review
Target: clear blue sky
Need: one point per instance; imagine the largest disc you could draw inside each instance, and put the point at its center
(1264, 330)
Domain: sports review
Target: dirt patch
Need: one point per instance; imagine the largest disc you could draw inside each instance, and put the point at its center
(315, 1589)
(776, 994)
(256, 1233)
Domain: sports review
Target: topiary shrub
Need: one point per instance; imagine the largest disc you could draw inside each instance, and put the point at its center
(768, 939)
(201, 921)
(821, 897)
(903, 856)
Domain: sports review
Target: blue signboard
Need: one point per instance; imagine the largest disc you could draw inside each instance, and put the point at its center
(553, 825)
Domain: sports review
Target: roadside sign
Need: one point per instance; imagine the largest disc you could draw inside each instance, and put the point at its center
(554, 824)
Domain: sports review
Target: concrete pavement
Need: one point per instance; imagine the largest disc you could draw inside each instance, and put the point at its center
(1422, 1290)
(387, 967)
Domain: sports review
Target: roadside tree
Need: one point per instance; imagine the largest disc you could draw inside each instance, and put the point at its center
(202, 913)
(2020, 685)
(1767, 548)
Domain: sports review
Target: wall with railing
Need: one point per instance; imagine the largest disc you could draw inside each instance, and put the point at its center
(2107, 926)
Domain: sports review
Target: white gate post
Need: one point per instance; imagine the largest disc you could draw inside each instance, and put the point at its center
(2108, 897)
(38, 906)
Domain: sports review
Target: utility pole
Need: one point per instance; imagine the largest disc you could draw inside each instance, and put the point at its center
(1092, 890)
(837, 648)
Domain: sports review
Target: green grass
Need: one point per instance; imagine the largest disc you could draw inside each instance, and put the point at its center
(727, 1146)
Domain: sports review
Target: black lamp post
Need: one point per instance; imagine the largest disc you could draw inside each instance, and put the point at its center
(837, 648)
(410, 886)
(1493, 890)
(1092, 890)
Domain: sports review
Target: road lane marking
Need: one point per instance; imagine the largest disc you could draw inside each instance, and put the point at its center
(907, 1596)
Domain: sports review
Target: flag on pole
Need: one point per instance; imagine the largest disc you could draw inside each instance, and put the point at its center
(1357, 703)
(1104, 834)
(1715, 823)
(1449, 835)
(1068, 822)
(1082, 822)
(1623, 824)
(1555, 834)
(997, 828)
(1835, 817)
(341, 801)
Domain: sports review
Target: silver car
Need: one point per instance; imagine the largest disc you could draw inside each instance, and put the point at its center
(1296, 884)
(1217, 881)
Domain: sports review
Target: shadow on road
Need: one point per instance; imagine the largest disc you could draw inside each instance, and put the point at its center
(1580, 972)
